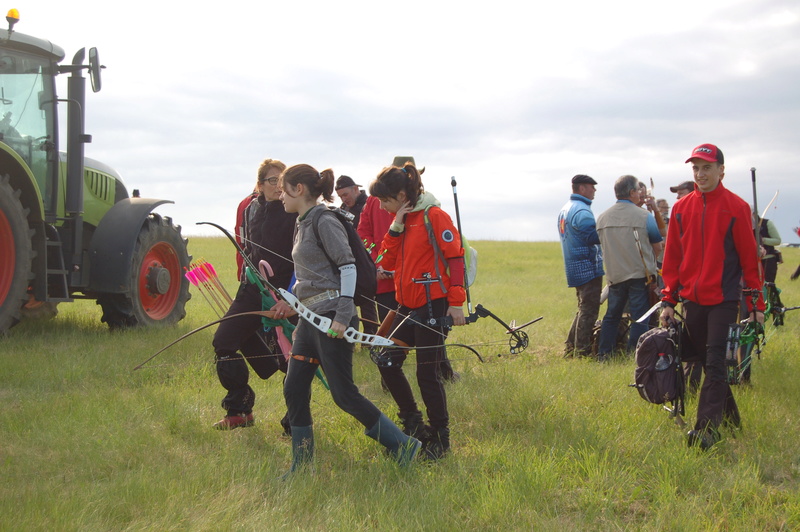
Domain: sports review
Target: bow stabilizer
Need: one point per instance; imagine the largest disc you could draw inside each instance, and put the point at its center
(519, 338)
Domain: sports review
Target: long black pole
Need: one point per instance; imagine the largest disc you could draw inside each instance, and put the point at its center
(755, 201)
(460, 235)
(758, 223)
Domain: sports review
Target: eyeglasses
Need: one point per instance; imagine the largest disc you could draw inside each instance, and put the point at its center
(271, 180)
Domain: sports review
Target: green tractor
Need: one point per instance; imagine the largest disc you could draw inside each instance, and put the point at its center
(69, 229)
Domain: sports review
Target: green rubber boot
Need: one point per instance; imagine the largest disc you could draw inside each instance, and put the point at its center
(404, 448)
(302, 448)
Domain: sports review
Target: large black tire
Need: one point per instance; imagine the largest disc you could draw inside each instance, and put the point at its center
(157, 289)
(16, 255)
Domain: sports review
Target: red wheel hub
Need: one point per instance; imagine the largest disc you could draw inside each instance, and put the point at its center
(159, 281)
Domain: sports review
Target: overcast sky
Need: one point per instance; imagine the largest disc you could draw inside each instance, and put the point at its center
(512, 98)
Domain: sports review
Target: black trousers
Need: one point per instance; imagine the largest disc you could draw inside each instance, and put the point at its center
(336, 358)
(385, 302)
(708, 328)
(770, 269)
(369, 314)
(428, 342)
(243, 338)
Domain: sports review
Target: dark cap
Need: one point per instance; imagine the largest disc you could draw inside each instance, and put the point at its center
(345, 181)
(686, 185)
(581, 179)
(707, 152)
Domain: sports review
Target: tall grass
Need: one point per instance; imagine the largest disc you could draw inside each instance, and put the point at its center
(539, 442)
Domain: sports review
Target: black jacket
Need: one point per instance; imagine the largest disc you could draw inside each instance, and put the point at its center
(356, 209)
(270, 234)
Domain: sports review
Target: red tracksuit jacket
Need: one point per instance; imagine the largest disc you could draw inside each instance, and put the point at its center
(411, 255)
(710, 246)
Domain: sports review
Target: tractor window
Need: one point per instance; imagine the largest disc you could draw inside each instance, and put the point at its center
(26, 103)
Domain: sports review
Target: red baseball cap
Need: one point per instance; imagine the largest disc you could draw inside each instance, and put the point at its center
(707, 152)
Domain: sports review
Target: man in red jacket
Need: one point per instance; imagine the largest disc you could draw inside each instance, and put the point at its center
(710, 249)
(372, 227)
(240, 228)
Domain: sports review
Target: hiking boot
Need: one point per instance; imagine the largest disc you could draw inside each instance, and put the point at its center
(732, 422)
(447, 372)
(413, 425)
(235, 421)
(438, 445)
(704, 439)
(569, 350)
(452, 377)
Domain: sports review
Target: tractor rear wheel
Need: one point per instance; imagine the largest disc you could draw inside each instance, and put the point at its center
(16, 255)
(157, 290)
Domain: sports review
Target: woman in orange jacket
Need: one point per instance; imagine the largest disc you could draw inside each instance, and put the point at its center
(428, 264)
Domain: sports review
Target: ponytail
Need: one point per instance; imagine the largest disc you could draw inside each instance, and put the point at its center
(326, 179)
(318, 184)
(393, 179)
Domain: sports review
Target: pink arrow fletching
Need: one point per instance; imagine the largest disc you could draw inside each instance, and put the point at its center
(211, 269)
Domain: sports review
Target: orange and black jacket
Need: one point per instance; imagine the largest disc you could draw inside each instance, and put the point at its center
(410, 255)
(710, 249)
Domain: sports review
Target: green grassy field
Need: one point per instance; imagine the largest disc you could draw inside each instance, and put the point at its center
(539, 442)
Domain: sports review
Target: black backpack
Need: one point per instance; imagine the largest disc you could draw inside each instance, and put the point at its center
(366, 280)
(659, 374)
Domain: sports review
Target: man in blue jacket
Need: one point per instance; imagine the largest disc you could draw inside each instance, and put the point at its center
(583, 262)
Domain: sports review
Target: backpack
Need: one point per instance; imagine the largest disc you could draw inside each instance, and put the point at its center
(366, 272)
(470, 253)
(659, 374)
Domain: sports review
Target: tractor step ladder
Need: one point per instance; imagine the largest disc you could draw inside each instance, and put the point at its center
(57, 275)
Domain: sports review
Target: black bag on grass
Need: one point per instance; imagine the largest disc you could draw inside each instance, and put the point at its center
(659, 372)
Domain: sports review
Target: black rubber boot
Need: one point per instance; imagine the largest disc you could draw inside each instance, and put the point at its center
(439, 443)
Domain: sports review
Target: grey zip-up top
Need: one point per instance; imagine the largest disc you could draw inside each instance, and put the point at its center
(314, 272)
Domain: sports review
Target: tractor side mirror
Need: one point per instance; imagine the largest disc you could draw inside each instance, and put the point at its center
(94, 69)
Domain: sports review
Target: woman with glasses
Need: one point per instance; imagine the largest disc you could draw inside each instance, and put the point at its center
(328, 291)
(268, 231)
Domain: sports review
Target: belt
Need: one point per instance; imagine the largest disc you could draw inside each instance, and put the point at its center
(324, 296)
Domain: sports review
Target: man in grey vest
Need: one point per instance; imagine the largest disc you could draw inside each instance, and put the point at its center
(631, 242)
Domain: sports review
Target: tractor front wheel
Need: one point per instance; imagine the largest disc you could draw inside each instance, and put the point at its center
(157, 290)
(16, 255)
